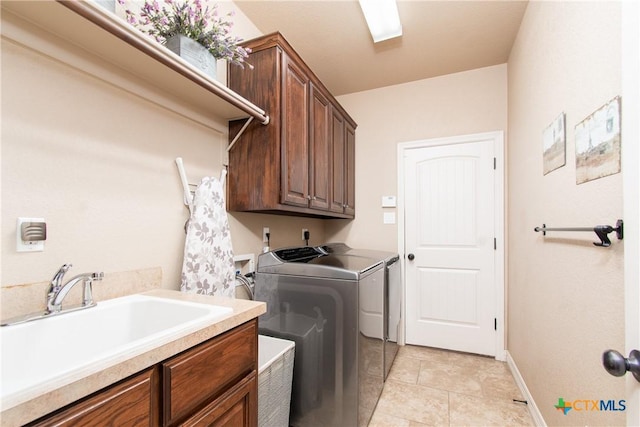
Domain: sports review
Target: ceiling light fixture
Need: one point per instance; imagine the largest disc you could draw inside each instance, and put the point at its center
(382, 18)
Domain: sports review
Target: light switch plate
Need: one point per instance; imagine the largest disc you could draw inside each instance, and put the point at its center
(389, 218)
(388, 201)
(22, 246)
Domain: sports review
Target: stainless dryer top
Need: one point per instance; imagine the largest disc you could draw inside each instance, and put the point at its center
(343, 249)
(315, 262)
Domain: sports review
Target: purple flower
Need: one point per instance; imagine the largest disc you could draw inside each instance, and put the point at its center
(191, 18)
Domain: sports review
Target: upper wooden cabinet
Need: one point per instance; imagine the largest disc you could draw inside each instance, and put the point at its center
(302, 162)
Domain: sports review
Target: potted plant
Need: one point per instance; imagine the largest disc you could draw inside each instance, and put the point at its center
(195, 32)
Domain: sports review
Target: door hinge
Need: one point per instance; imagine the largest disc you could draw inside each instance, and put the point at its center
(495, 244)
(494, 163)
(495, 324)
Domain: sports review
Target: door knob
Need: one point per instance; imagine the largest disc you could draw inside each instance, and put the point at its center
(411, 257)
(617, 365)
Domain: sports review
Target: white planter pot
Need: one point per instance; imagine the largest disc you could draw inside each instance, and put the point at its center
(194, 53)
(110, 5)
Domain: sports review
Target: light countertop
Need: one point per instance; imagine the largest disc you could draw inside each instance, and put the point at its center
(39, 404)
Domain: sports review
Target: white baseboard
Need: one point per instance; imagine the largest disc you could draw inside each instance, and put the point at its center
(531, 404)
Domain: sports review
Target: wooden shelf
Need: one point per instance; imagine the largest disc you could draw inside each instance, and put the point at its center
(88, 26)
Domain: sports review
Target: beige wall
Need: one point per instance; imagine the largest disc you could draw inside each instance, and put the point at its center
(456, 104)
(97, 162)
(565, 296)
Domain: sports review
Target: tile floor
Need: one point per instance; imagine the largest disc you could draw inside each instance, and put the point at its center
(431, 387)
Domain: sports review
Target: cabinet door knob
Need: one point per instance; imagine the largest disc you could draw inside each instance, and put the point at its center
(411, 257)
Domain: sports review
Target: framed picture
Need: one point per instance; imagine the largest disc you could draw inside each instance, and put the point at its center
(598, 143)
(554, 152)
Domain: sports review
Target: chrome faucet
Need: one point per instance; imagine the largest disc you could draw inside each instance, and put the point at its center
(58, 291)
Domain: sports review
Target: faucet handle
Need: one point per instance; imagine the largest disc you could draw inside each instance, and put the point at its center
(56, 281)
(55, 285)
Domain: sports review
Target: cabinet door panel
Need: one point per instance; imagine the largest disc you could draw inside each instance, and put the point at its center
(350, 170)
(337, 149)
(319, 150)
(295, 136)
(254, 162)
(133, 402)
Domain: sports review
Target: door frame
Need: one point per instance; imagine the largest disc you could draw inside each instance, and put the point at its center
(499, 224)
(631, 193)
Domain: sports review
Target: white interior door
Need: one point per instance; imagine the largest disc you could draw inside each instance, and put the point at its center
(631, 194)
(450, 256)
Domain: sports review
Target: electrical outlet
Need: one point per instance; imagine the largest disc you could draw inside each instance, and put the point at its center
(28, 246)
(304, 230)
(265, 231)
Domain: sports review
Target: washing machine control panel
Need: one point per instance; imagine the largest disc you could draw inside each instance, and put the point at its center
(300, 254)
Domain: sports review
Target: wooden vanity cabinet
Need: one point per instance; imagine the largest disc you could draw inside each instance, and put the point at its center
(133, 401)
(212, 384)
(290, 165)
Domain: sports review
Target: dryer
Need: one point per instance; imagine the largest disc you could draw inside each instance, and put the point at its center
(392, 311)
(332, 306)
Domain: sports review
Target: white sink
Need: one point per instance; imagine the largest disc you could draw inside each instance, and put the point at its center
(47, 353)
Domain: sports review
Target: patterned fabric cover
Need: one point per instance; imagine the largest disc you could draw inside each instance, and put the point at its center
(208, 256)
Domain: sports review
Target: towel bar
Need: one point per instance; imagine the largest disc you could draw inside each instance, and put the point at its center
(601, 231)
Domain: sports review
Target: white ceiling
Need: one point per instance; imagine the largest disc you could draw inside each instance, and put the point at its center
(439, 37)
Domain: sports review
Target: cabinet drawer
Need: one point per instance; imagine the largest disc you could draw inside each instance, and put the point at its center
(235, 408)
(132, 402)
(200, 375)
